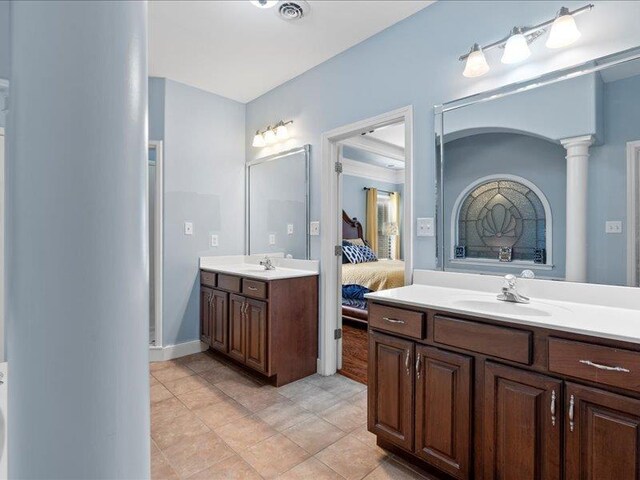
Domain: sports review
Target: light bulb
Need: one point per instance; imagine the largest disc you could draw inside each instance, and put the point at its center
(269, 136)
(516, 49)
(258, 140)
(264, 3)
(282, 132)
(564, 31)
(476, 65)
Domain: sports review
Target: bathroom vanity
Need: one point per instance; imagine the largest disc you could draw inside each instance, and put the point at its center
(264, 320)
(476, 388)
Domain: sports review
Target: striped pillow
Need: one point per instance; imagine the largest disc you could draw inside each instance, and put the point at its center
(359, 254)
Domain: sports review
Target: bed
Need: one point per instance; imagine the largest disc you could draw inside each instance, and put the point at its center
(361, 278)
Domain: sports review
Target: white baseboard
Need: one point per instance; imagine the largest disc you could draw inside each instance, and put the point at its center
(160, 354)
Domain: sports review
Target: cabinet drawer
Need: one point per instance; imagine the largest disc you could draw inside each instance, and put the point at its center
(501, 342)
(254, 288)
(397, 320)
(606, 365)
(229, 282)
(208, 278)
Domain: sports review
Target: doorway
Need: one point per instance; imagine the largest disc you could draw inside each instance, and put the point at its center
(333, 148)
(155, 167)
(633, 214)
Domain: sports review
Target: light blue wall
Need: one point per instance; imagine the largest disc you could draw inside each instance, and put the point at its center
(607, 180)
(415, 62)
(5, 35)
(156, 108)
(203, 181)
(539, 161)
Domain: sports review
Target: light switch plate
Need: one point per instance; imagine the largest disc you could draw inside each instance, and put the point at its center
(272, 239)
(290, 229)
(613, 226)
(188, 228)
(314, 228)
(425, 227)
(214, 240)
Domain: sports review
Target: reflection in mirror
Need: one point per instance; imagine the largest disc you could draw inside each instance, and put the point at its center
(278, 204)
(546, 179)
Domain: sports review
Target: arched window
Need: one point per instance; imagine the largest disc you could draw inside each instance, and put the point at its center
(502, 218)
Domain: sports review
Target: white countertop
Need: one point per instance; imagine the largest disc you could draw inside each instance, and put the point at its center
(586, 319)
(249, 267)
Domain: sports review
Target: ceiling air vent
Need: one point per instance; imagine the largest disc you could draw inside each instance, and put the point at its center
(293, 10)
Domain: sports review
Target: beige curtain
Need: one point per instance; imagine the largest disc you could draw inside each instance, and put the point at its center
(395, 211)
(371, 233)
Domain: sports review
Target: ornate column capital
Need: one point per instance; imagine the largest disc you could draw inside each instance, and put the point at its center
(577, 146)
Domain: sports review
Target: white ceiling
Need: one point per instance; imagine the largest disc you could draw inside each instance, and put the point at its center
(239, 51)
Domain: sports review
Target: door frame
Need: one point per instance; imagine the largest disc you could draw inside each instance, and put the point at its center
(331, 218)
(633, 212)
(3, 148)
(158, 244)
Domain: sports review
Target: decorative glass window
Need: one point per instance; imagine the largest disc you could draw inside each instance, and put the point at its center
(502, 219)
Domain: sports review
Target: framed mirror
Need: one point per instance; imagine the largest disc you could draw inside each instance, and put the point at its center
(277, 204)
(543, 176)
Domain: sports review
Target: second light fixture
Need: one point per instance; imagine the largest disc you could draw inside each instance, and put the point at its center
(272, 134)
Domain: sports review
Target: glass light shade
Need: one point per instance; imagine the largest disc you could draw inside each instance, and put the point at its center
(282, 132)
(269, 137)
(563, 32)
(516, 50)
(258, 140)
(476, 65)
(264, 3)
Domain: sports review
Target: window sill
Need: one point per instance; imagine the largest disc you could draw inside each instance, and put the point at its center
(520, 264)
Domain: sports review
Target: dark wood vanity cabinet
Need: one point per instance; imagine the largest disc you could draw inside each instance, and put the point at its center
(270, 327)
(472, 398)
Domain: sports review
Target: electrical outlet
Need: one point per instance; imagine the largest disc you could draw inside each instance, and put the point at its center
(214, 240)
(272, 239)
(290, 229)
(188, 228)
(425, 227)
(613, 226)
(314, 228)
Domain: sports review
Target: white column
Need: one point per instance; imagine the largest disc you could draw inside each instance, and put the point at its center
(78, 292)
(577, 183)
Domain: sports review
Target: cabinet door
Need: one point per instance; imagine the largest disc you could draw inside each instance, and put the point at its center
(219, 320)
(237, 307)
(443, 410)
(256, 334)
(602, 435)
(521, 425)
(390, 412)
(205, 309)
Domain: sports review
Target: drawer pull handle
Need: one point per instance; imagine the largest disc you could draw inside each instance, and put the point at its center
(418, 365)
(253, 289)
(571, 407)
(553, 408)
(392, 320)
(407, 362)
(605, 367)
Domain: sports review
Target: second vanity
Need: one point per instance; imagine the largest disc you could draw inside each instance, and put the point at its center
(471, 387)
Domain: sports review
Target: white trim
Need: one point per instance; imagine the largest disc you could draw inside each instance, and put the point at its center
(372, 172)
(504, 176)
(158, 231)
(375, 146)
(633, 212)
(331, 218)
(160, 354)
(2, 227)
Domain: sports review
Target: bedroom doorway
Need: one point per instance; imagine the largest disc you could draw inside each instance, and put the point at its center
(367, 209)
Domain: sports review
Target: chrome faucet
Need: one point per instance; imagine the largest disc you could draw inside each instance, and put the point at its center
(510, 291)
(267, 264)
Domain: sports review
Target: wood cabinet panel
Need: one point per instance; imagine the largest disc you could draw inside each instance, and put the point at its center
(602, 435)
(390, 389)
(205, 314)
(219, 320)
(229, 282)
(397, 320)
(521, 425)
(256, 334)
(254, 288)
(443, 410)
(237, 344)
(208, 278)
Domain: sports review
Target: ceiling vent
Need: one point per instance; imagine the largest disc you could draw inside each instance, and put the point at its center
(293, 10)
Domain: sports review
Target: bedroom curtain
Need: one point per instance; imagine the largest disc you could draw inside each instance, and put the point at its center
(371, 233)
(395, 208)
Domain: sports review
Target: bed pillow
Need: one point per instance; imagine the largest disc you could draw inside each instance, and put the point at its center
(359, 254)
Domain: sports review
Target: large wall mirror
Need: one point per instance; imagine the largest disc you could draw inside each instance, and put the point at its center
(278, 204)
(545, 176)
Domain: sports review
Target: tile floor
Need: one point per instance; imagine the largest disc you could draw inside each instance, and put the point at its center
(211, 421)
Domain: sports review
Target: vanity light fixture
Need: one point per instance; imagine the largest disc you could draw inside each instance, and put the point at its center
(271, 134)
(563, 32)
(264, 3)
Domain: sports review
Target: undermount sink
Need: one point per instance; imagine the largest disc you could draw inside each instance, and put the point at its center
(488, 305)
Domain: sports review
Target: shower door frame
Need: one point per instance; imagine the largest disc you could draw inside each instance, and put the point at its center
(158, 247)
